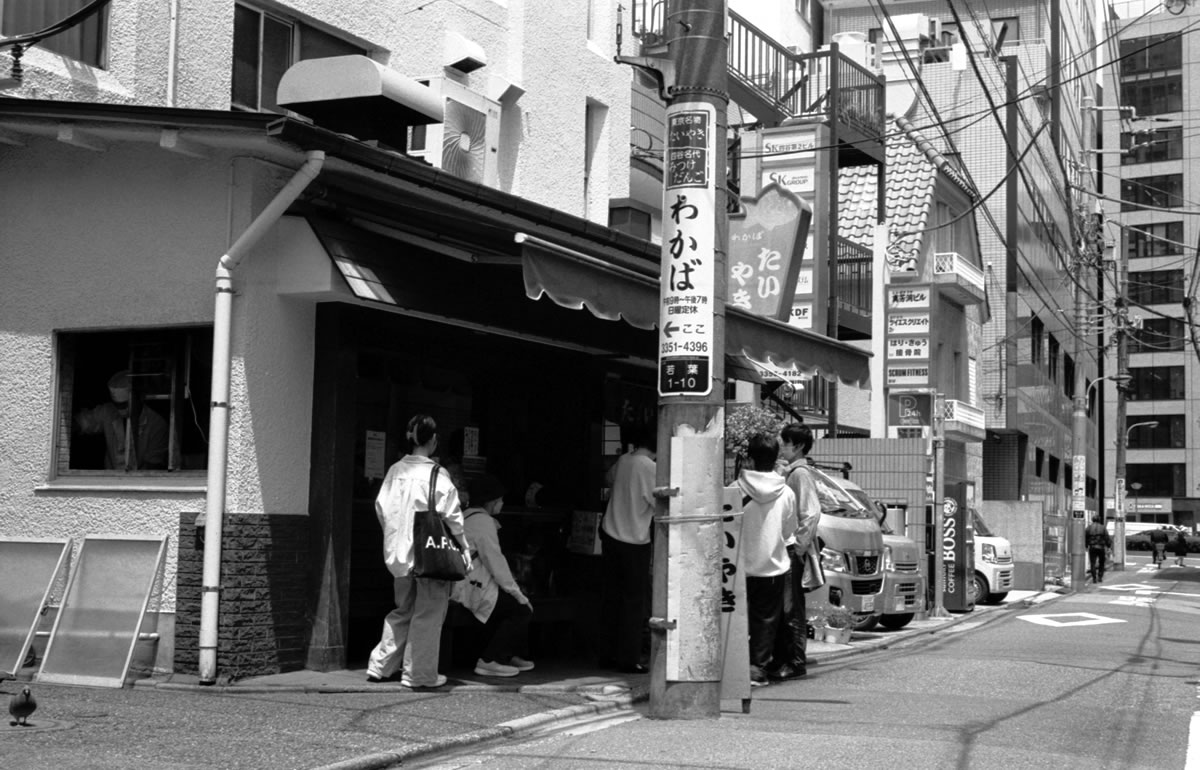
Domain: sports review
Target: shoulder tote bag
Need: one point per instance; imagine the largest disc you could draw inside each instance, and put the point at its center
(437, 552)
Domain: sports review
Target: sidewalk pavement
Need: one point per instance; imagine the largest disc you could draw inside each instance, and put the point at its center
(313, 718)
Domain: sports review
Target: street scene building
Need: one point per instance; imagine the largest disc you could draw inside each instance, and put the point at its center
(245, 242)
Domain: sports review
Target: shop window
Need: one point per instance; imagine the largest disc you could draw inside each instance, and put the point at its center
(1160, 192)
(86, 42)
(1156, 287)
(1157, 334)
(1158, 239)
(145, 390)
(1152, 383)
(1152, 146)
(265, 45)
(1157, 479)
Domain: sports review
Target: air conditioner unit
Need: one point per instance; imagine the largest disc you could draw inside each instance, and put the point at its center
(467, 142)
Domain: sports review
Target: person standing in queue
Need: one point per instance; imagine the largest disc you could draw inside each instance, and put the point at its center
(421, 603)
(791, 649)
(626, 551)
(768, 522)
(490, 592)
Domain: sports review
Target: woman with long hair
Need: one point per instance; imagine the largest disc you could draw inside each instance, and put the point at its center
(420, 602)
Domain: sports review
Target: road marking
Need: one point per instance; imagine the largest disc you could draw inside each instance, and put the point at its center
(1076, 619)
(1134, 601)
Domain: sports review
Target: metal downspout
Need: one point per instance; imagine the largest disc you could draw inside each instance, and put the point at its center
(218, 444)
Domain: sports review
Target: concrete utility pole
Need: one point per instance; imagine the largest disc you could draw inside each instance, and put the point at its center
(939, 501)
(1119, 419)
(1079, 425)
(686, 654)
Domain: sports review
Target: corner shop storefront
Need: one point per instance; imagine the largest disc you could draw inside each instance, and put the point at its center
(441, 318)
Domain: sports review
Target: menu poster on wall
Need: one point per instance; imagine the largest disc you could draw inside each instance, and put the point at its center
(765, 243)
(373, 457)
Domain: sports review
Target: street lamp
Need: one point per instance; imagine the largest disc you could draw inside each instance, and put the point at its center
(1149, 424)
(1119, 488)
(1136, 487)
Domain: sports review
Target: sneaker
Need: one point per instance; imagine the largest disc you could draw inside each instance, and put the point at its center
(521, 664)
(408, 682)
(491, 668)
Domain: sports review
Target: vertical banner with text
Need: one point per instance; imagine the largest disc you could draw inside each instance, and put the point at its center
(685, 324)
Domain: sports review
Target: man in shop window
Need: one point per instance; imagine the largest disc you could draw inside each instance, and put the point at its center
(135, 436)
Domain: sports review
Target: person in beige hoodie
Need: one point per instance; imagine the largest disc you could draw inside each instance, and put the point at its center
(768, 521)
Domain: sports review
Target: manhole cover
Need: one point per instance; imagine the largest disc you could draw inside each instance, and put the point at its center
(34, 726)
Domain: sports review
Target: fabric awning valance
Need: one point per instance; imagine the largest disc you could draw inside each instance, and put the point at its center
(630, 293)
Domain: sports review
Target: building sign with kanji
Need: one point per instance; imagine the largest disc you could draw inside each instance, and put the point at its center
(685, 327)
(908, 329)
(765, 243)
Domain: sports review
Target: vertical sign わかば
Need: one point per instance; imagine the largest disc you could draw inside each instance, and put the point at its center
(685, 324)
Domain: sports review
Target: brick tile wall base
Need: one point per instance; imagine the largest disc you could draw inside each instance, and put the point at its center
(262, 628)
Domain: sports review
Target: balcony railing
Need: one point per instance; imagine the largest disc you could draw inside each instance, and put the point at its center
(854, 275)
(964, 421)
(957, 277)
(823, 85)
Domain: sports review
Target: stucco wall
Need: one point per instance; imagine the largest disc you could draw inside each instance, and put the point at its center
(133, 241)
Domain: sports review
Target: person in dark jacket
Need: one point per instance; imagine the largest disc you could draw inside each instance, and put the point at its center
(1098, 544)
(1181, 548)
(1158, 544)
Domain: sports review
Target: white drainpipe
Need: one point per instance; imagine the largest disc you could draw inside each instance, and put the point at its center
(218, 425)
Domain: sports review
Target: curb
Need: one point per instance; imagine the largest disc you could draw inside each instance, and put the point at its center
(501, 731)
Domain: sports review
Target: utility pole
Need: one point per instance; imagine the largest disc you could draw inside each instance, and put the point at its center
(1123, 373)
(1079, 426)
(939, 502)
(686, 653)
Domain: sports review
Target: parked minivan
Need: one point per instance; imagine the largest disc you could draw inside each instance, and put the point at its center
(852, 550)
(993, 564)
(903, 593)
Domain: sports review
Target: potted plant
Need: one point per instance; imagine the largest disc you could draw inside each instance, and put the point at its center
(833, 625)
(741, 423)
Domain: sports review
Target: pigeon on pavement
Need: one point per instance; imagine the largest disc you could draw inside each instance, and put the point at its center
(21, 706)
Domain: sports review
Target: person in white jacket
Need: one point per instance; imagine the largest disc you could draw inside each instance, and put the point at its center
(768, 521)
(421, 603)
(490, 592)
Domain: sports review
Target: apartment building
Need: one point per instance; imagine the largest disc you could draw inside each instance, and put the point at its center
(1152, 183)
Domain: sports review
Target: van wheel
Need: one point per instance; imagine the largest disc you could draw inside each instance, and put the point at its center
(866, 624)
(896, 622)
(978, 589)
(996, 598)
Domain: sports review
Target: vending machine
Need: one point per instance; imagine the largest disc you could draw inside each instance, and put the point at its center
(956, 549)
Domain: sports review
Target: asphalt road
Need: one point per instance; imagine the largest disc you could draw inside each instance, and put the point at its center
(1106, 678)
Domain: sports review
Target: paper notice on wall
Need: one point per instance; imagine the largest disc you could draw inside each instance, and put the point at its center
(374, 465)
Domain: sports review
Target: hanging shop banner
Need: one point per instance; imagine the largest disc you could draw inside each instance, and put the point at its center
(908, 323)
(908, 375)
(907, 347)
(802, 315)
(735, 670)
(907, 298)
(766, 243)
(685, 327)
(910, 410)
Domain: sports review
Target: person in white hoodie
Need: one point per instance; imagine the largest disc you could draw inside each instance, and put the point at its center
(768, 521)
(421, 603)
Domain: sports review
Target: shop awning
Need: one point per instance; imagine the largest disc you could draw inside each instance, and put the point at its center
(630, 293)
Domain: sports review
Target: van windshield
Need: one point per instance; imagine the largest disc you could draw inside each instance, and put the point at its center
(981, 527)
(872, 510)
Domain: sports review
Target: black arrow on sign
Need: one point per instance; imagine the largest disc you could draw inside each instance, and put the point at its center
(670, 329)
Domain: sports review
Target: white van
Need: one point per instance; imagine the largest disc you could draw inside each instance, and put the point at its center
(993, 564)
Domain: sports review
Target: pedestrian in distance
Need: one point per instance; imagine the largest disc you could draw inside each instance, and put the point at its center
(490, 592)
(421, 603)
(625, 553)
(1181, 548)
(768, 522)
(1158, 544)
(791, 648)
(1099, 542)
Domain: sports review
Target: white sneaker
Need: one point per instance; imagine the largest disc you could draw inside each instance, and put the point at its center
(489, 668)
(521, 664)
(407, 681)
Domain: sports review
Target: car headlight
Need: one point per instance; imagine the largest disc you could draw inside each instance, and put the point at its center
(888, 563)
(988, 553)
(833, 560)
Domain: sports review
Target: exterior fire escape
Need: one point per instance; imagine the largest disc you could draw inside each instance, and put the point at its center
(781, 87)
